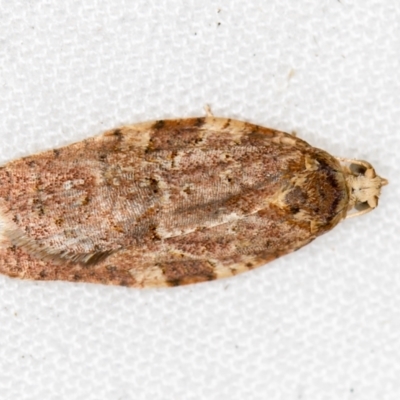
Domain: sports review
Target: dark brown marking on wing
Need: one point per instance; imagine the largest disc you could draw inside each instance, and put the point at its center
(160, 124)
(57, 152)
(199, 122)
(227, 124)
(188, 271)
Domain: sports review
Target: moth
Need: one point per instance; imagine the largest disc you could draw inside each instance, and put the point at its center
(173, 202)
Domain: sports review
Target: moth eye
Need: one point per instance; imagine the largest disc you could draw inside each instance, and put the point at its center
(362, 206)
(358, 169)
(363, 168)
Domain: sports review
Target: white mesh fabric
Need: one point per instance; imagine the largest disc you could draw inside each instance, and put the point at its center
(322, 323)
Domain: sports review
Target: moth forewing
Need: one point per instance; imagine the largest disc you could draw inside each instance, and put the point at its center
(172, 202)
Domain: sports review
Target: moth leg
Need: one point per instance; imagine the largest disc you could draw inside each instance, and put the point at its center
(358, 213)
(208, 111)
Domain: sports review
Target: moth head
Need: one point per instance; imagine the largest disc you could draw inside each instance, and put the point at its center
(364, 186)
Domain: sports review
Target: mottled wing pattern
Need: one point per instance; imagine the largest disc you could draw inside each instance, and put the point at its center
(166, 203)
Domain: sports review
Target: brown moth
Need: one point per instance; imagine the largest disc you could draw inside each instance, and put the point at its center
(173, 202)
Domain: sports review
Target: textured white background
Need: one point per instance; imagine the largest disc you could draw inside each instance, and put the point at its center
(323, 323)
